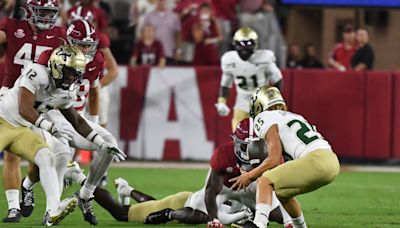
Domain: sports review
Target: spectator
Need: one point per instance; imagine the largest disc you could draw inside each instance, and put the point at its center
(206, 36)
(363, 59)
(340, 57)
(168, 28)
(226, 17)
(310, 58)
(148, 50)
(90, 11)
(188, 8)
(293, 59)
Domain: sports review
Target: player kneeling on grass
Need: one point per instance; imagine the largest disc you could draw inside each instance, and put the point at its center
(38, 89)
(310, 161)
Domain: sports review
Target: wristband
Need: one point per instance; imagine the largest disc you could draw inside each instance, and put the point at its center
(43, 123)
(222, 100)
(95, 138)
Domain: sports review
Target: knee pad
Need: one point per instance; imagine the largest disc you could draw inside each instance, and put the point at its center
(44, 157)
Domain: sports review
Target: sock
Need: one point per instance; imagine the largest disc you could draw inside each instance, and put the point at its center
(44, 159)
(299, 222)
(286, 217)
(262, 214)
(13, 198)
(80, 178)
(86, 191)
(28, 184)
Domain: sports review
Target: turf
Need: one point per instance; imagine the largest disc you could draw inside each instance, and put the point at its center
(355, 199)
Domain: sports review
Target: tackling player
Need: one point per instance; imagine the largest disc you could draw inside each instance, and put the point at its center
(228, 161)
(25, 40)
(313, 163)
(249, 69)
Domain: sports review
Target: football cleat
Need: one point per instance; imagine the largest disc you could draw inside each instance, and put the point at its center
(104, 181)
(71, 173)
(123, 190)
(248, 224)
(66, 207)
(87, 209)
(13, 215)
(27, 201)
(159, 217)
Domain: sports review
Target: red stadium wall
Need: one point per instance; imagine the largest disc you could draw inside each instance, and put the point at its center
(170, 115)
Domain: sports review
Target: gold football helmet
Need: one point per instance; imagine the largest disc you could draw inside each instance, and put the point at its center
(245, 41)
(67, 66)
(266, 98)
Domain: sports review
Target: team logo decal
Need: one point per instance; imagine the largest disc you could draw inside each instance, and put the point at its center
(63, 54)
(19, 33)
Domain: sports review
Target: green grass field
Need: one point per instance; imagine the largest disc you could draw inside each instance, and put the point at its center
(355, 199)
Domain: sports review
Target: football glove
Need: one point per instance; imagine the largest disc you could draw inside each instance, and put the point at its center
(61, 130)
(222, 109)
(118, 154)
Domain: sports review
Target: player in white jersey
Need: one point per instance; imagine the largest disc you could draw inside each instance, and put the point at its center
(312, 163)
(38, 89)
(249, 69)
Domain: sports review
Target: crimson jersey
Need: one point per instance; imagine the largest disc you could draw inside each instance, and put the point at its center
(93, 71)
(223, 161)
(25, 46)
(90, 13)
(104, 40)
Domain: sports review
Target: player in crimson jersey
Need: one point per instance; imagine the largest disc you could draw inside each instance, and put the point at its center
(25, 40)
(83, 35)
(87, 11)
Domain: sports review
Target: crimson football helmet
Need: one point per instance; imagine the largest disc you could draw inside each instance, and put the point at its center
(43, 13)
(83, 34)
(250, 150)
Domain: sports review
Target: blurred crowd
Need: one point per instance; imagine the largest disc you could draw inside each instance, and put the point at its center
(198, 32)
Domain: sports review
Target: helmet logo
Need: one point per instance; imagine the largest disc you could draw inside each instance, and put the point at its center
(62, 53)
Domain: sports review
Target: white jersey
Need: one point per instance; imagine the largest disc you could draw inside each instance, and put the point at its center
(298, 137)
(260, 69)
(35, 78)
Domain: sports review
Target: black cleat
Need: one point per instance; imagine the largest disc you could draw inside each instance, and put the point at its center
(14, 215)
(27, 202)
(249, 224)
(159, 217)
(87, 209)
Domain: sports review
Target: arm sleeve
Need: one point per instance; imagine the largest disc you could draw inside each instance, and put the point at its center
(227, 80)
(273, 72)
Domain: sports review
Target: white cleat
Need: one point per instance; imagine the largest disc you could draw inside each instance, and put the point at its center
(124, 191)
(66, 207)
(72, 172)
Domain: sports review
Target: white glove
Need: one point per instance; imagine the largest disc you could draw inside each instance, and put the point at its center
(342, 68)
(61, 130)
(118, 154)
(215, 223)
(222, 109)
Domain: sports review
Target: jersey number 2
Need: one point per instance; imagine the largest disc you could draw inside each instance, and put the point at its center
(301, 133)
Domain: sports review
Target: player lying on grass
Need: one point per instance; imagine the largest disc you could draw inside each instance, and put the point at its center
(182, 206)
(311, 162)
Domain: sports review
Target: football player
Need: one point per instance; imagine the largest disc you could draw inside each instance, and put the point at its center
(25, 40)
(249, 69)
(82, 35)
(87, 11)
(228, 161)
(313, 163)
(38, 89)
